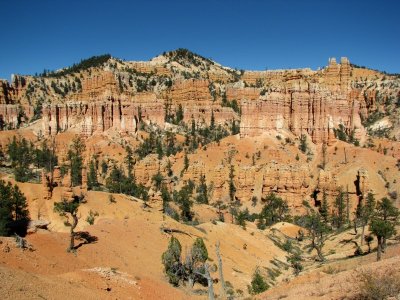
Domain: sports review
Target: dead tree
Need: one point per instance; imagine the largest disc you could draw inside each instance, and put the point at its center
(207, 276)
(221, 275)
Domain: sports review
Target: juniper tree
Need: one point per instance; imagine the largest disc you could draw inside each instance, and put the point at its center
(194, 262)
(171, 260)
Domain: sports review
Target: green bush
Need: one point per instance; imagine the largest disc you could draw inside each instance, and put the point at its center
(258, 283)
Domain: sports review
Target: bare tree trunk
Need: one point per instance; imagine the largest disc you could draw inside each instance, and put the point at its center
(72, 233)
(384, 244)
(379, 252)
(355, 226)
(191, 282)
(362, 234)
(221, 275)
(319, 252)
(348, 205)
(209, 282)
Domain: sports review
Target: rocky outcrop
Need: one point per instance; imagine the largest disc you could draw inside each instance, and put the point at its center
(98, 99)
(303, 105)
(288, 181)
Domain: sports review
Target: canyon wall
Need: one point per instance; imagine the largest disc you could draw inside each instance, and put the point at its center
(298, 100)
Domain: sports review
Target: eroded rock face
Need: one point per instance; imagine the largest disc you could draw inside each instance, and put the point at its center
(313, 104)
(299, 100)
(88, 118)
(288, 181)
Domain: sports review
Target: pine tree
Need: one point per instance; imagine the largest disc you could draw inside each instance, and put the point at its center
(366, 213)
(232, 188)
(69, 209)
(76, 161)
(202, 196)
(14, 214)
(340, 207)
(212, 122)
(21, 154)
(129, 161)
(185, 163)
(318, 231)
(158, 180)
(179, 115)
(92, 176)
(384, 221)
(275, 210)
(324, 209)
(258, 283)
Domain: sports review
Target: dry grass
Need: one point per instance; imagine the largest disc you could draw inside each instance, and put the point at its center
(377, 286)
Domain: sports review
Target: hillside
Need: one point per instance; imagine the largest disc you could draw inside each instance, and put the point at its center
(182, 146)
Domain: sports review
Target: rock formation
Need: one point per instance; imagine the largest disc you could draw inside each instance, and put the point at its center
(302, 101)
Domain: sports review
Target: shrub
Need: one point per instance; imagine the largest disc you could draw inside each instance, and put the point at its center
(258, 283)
(379, 286)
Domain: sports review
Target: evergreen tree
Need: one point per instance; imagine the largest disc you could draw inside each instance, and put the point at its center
(383, 222)
(382, 230)
(275, 210)
(202, 196)
(169, 168)
(129, 161)
(232, 188)
(92, 176)
(258, 283)
(166, 198)
(324, 209)
(115, 180)
(21, 154)
(158, 180)
(318, 232)
(212, 122)
(340, 206)
(76, 161)
(195, 262)
(69, 209)
(185, 163)
(303, 143)
(171, 260)
(179, 114)
(235, 129)
(366, 212)
(14, 214)
(46, 157)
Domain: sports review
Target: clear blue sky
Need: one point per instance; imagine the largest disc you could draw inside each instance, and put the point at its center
(252, 34)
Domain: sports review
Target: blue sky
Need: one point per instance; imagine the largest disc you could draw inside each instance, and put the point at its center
(250, 34)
